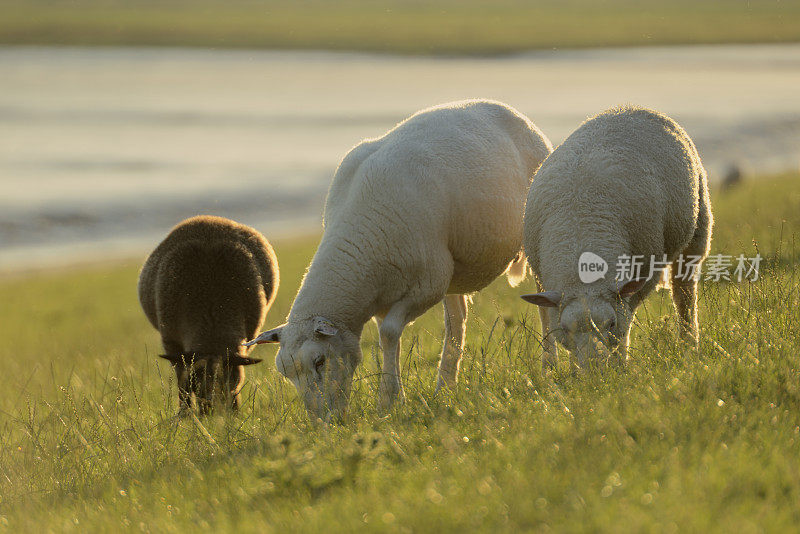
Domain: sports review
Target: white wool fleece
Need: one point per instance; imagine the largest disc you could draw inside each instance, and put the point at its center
(627, 182)
(432, 208)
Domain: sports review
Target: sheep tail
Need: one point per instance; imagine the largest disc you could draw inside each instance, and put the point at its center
(517, 269)
(665, 282)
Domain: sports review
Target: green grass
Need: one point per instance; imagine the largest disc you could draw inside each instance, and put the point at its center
(401, 26)
(680, 440)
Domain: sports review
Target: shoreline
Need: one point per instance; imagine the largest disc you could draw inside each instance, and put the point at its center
(112, 147)
(46, 259)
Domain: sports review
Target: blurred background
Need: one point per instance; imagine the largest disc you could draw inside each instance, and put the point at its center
(120, 118)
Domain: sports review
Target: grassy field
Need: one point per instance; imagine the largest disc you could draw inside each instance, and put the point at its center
(404, 26)
(679, 441)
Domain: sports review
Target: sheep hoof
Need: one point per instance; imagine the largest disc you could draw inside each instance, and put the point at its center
(616, 361)
(391, 391)
(689, 337)
(549, 363)
(446, 381)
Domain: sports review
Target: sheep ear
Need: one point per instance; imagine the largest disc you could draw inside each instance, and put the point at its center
(270, 336)
(548, 299)
(241, 360)
(324, 327)
(630, 287)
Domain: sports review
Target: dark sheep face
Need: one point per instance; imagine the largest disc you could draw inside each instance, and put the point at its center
(208, 383)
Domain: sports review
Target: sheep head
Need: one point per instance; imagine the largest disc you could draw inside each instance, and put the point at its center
(593, 325)
(206, 380)
(320, 359)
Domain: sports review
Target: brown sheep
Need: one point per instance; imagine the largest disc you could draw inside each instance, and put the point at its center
(207, 287)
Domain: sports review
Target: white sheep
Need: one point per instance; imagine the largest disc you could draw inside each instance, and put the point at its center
(206, 288)
(628, 182)
(431, 211)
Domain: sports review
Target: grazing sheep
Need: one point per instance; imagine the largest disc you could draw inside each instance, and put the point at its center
(628, 182)
(429, 212)
(207, 288)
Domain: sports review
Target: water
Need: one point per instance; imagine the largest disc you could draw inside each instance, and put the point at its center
(103, 150)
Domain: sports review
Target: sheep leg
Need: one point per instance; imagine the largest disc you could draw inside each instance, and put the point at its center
(684, 296)
(549, 349)
(376, 353)
(455, 324)
(684, 291)
(184, 396)
(391, 328)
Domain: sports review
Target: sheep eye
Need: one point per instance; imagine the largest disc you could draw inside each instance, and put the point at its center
(319, 363)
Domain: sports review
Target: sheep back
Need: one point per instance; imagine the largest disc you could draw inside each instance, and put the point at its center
(208, 285)
(452, 177)
(628, 181)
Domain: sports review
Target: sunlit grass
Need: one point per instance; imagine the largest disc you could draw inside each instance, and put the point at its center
(404, 26)
(679, 440)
